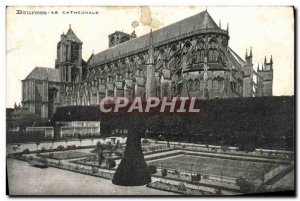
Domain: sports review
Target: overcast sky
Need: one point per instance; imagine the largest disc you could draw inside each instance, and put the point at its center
(32, 39)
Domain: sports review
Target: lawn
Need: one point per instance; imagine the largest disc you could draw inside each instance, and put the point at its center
(66, 155)
(216, 166)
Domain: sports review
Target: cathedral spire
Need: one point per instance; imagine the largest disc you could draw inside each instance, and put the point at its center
(265, 59)
(271, 60)
(151, 39)
(246, 53)
(227, 27)
(250, 52)
(150, 78)
(151, 50)
(220, 24)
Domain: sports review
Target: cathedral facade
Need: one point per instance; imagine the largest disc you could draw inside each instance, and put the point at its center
(188, 58)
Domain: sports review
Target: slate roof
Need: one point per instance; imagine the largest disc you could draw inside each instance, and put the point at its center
(72, 37)
(44, 73)
(201, 20)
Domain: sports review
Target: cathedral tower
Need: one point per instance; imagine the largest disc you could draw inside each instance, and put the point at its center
(248, 75)
(69, 57)
(266, 75)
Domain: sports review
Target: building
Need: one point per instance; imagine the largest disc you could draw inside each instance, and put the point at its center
(188, 58)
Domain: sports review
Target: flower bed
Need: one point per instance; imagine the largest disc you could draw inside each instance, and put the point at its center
(65, 155)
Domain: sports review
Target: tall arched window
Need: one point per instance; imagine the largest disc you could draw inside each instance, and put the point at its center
(216, 55)
(215, 85)
(197, 84)
(202, 85)
(190, 85)
(202, 56)
(210, 84)
(210, 55)
(221, 85)
(198, 56)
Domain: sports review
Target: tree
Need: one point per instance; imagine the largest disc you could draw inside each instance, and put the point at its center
(52, 142)
(37, 147)
(168, 144)
(14, 148)
(118, 145)
(152, 169)
(111, 163)
(196, 178)
(109, 146)
(100, 157)
(80, 140)
(99, 151)
(19, 147)
(164, 174)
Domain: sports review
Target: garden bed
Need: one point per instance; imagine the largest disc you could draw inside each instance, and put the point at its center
(65, 155)
(215, 166)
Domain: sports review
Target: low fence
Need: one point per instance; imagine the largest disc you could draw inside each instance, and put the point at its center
(259, 153)
(81, 170)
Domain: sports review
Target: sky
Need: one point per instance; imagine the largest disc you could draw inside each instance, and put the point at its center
(31, 39)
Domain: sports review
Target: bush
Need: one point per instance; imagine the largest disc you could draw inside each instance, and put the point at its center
(164, 173)
(196, 177)
(60, 148)
(152, 169)
(94, 170)
(71, 147)
(245, 186)
(205, 176)
(181, 187)
(43, 149)
(145, 141)
(225, 148)
(119, 153)
(111, 163)
(26, 151)
(177, 173)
